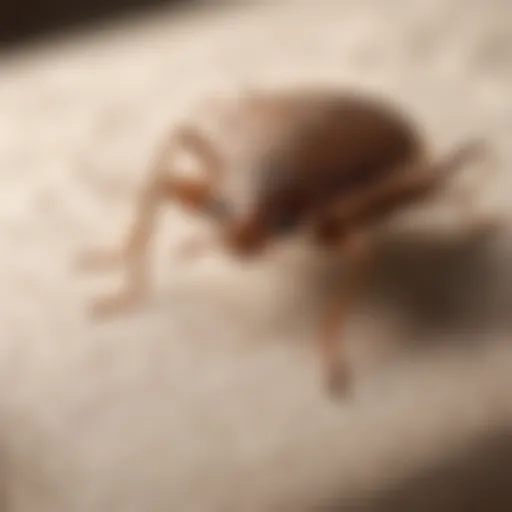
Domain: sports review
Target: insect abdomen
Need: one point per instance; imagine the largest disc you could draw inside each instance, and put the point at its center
(351, 145)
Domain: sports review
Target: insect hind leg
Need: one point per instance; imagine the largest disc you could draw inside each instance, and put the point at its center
(466, 199)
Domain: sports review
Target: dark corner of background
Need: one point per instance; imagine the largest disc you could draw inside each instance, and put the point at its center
(22, 21)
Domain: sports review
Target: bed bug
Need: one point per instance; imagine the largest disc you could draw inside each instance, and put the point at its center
(332, 163)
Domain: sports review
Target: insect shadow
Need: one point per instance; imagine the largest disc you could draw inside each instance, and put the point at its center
(456, 283)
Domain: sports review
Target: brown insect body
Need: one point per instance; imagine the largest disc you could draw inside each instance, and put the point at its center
(349, 145)
(332, 162)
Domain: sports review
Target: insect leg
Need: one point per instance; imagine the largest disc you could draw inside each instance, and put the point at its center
(161, 187)
(135, 251)
(465, 199)
(356, 248)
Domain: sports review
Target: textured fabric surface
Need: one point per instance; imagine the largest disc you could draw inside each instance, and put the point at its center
(210, 396)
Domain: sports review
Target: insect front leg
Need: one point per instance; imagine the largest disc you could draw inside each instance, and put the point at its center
(356, 248)
(134, 252)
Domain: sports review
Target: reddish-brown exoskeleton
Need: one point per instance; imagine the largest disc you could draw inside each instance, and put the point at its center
(275, 163)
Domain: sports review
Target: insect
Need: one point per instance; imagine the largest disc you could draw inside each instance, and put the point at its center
(331, 163)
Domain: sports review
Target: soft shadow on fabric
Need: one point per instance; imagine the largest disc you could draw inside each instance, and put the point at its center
(475, 479)
(460, 283)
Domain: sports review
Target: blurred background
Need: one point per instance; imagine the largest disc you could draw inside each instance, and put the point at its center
(210, 397)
